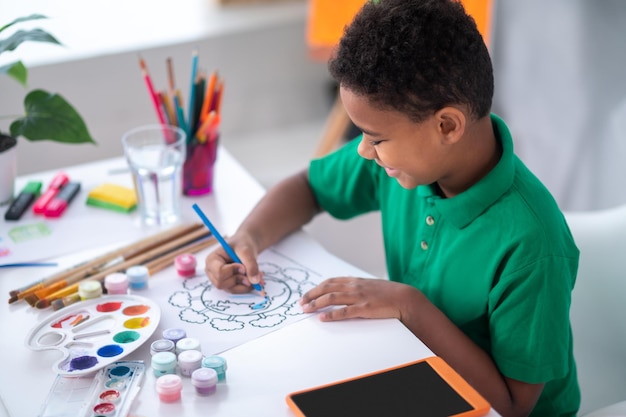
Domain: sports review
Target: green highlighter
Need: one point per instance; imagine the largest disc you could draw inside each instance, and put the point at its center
(23, 200)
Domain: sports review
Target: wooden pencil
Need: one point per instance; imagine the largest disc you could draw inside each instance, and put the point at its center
(136, 260)
(89, 267)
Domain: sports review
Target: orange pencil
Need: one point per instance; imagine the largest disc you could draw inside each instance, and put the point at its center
(208, 96)
(218, 97)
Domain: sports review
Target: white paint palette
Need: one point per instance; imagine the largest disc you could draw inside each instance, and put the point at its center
(95, 333)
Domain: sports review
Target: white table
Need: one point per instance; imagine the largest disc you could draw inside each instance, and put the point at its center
(260, 373)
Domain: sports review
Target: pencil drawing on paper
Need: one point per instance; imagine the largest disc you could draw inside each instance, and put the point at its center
(200, 302)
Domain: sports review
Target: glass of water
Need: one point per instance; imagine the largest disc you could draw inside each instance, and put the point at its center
(155, 155)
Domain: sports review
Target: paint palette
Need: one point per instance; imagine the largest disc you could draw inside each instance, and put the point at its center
(95, 333)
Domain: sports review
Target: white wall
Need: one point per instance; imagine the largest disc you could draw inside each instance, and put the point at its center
(269, 82)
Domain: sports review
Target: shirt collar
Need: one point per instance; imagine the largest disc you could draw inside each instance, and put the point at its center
(463, 208)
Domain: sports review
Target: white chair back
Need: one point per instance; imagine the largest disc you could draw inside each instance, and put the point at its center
(598, 311)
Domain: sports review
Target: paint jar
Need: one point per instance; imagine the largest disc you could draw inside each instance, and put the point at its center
(204, 380)
(116, 283)
(188, 343)
(174, 334)
(137, 277)
(89, 289)
(185, 265)
(163, 363)
(189, 361)
(162, 345)
(217, 363)
(169, 387)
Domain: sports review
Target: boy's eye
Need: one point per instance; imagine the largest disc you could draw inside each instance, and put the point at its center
(375, 142)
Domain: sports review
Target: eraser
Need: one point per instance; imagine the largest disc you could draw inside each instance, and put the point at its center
(114, 194)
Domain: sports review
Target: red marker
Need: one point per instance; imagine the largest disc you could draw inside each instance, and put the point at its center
(53, 189)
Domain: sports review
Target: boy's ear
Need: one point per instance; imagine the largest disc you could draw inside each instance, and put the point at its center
(451, 123)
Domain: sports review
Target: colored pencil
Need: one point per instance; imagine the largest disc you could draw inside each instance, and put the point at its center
(229, 250)
(208, 97)
(136, 260)
(151, 91)
(89, 267)
(170, 76)
(192, 92)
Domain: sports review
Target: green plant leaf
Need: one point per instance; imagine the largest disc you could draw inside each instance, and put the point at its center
(23, 19)
(32, 35)
(17, 71)
(50, 117)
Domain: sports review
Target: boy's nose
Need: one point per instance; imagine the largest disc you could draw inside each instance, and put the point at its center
(366, 150)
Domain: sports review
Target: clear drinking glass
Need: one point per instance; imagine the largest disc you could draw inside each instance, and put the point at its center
(155, 155)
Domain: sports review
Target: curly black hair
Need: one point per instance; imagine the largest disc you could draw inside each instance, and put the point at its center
(415, 57)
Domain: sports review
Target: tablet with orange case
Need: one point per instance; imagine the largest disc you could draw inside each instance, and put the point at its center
(425, 388)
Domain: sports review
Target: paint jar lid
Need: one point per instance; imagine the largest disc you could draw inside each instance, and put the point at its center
(174, 334)
(162, 345)
(185, 264)
(214, 362)
(89, 289)
(188, 343)
(137, 276)
(204, 377)
(116, 283)
(169, 384)
(163, 360)
(190, 358)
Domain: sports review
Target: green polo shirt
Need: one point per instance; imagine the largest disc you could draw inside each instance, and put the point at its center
(498, 259)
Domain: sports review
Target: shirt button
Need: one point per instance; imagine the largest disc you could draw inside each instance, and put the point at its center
(430, 220)
(424, 245)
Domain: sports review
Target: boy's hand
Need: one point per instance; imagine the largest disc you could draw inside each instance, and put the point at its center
(357, 297)
(234, 277)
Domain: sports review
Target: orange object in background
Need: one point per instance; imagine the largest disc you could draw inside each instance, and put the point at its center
(327, 19)
(326, 22)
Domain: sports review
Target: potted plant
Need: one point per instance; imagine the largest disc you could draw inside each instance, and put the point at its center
(47, 116)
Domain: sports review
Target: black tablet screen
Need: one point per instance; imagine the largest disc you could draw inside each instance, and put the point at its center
(414, 390)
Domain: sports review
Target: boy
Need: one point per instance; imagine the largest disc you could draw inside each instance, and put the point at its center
(481, 262)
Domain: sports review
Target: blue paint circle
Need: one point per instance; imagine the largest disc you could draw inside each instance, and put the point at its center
(110, 350)
(83, 362)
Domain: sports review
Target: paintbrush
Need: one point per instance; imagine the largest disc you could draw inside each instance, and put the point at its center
(89, 267)
(136, 260)
(153, 266)
(167, 259)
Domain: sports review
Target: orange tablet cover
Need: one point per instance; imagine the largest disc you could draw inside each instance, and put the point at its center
(427, 387)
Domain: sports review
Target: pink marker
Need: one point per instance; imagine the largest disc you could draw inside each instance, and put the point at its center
(185, 265)
(53, 189)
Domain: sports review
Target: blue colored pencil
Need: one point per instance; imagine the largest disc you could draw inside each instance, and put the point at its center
(192, 92)
(229, 250)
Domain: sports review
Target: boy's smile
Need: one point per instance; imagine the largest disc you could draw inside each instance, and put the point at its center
(410, 152)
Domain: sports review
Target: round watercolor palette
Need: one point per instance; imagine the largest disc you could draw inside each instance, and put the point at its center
(95, 333)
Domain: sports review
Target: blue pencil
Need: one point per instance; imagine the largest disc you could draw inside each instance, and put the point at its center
(192, 92)
(229, 250)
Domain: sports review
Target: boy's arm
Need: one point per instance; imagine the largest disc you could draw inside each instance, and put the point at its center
(507, 396)
(377, 298)
(285, 208)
